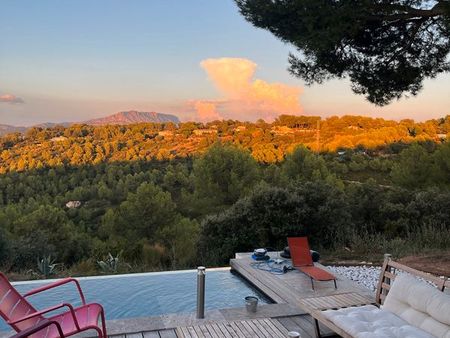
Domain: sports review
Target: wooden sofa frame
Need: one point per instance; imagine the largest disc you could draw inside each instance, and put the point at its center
(389, 271)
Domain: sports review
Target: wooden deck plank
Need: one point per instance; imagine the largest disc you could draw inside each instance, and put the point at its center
(272, 286)
(269, 329)
(192, 332)
(224, 330)
(249, 329)
(244, 328)
(182, 332)
(215, 328)
(259, 332)
(275, 328)
(291, 325)
(211, 331)
(151, 334)
(230, 330)
(198, 331)
(168, 334)
(205, 331)
(134, 335)
(237, 329)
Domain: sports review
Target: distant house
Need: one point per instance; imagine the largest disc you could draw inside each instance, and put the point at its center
(58, 139)
(442, 136)
(240, 129)
(199, 132)
(282, 130)
(305, 130)
(165, 133)
(73, 204)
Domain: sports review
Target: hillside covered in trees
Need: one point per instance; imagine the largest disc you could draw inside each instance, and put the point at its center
(267, 143)
(166, 196)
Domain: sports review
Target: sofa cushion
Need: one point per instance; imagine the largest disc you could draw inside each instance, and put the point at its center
(420, 304)
(370, 322)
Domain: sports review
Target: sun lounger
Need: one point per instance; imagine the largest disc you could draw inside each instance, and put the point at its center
(302, 261)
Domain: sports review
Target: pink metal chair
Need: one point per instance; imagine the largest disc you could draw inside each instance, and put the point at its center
(21, 315)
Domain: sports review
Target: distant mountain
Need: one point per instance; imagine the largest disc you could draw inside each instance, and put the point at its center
(6, 129)
(133, 116)
(125, 117)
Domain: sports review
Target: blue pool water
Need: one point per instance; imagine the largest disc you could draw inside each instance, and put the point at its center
(149, 294)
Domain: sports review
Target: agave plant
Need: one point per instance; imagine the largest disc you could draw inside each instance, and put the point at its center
(47, 266)
(110, 264)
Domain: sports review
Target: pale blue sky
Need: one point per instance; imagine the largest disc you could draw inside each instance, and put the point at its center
(79, 59)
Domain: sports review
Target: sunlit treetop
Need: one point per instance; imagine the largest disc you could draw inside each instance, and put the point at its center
(385, 47)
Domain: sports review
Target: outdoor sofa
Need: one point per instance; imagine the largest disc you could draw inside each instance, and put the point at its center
(406, 306)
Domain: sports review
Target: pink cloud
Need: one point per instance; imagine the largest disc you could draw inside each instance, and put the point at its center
(9, 98)
(243, 97)
(206, 111)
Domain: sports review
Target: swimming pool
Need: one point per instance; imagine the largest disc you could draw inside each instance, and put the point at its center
(148, 294)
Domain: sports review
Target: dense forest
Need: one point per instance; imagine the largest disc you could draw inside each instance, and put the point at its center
(88, 200)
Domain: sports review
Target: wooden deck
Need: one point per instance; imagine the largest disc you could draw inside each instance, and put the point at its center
(253, 328)
(292, 286)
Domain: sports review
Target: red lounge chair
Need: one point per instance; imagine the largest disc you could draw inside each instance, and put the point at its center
(302, 261)
(21, 315)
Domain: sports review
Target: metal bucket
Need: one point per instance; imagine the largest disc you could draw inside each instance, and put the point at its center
(251, 303)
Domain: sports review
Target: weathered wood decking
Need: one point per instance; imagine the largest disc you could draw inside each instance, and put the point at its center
(292, 286)
(255, 328)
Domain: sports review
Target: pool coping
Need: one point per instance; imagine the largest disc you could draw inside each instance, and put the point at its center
(139, 274)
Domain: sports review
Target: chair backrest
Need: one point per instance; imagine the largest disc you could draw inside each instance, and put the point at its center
(300, 253)
(389, 272)
(14, 306)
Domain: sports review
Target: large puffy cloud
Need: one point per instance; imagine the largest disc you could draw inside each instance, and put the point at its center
(9, 98)
(232, 76)
(244, 97)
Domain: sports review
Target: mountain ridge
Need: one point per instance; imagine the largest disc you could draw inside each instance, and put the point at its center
(123, 117)
(133, 116)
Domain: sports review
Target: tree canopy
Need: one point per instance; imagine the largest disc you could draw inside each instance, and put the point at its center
(386, 47)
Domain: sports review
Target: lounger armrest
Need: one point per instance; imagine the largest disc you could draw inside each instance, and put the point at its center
(56, 284)
(38, 327)
(50, 309)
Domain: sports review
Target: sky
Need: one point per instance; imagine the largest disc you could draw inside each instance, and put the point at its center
(64, 61)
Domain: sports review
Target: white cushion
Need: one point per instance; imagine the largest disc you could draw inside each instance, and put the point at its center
(370, 322)
(420, 304)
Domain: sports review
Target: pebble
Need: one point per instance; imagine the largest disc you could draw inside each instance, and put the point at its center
(364, 275)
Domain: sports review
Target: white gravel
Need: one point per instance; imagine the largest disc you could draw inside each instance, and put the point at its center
(365, 275)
